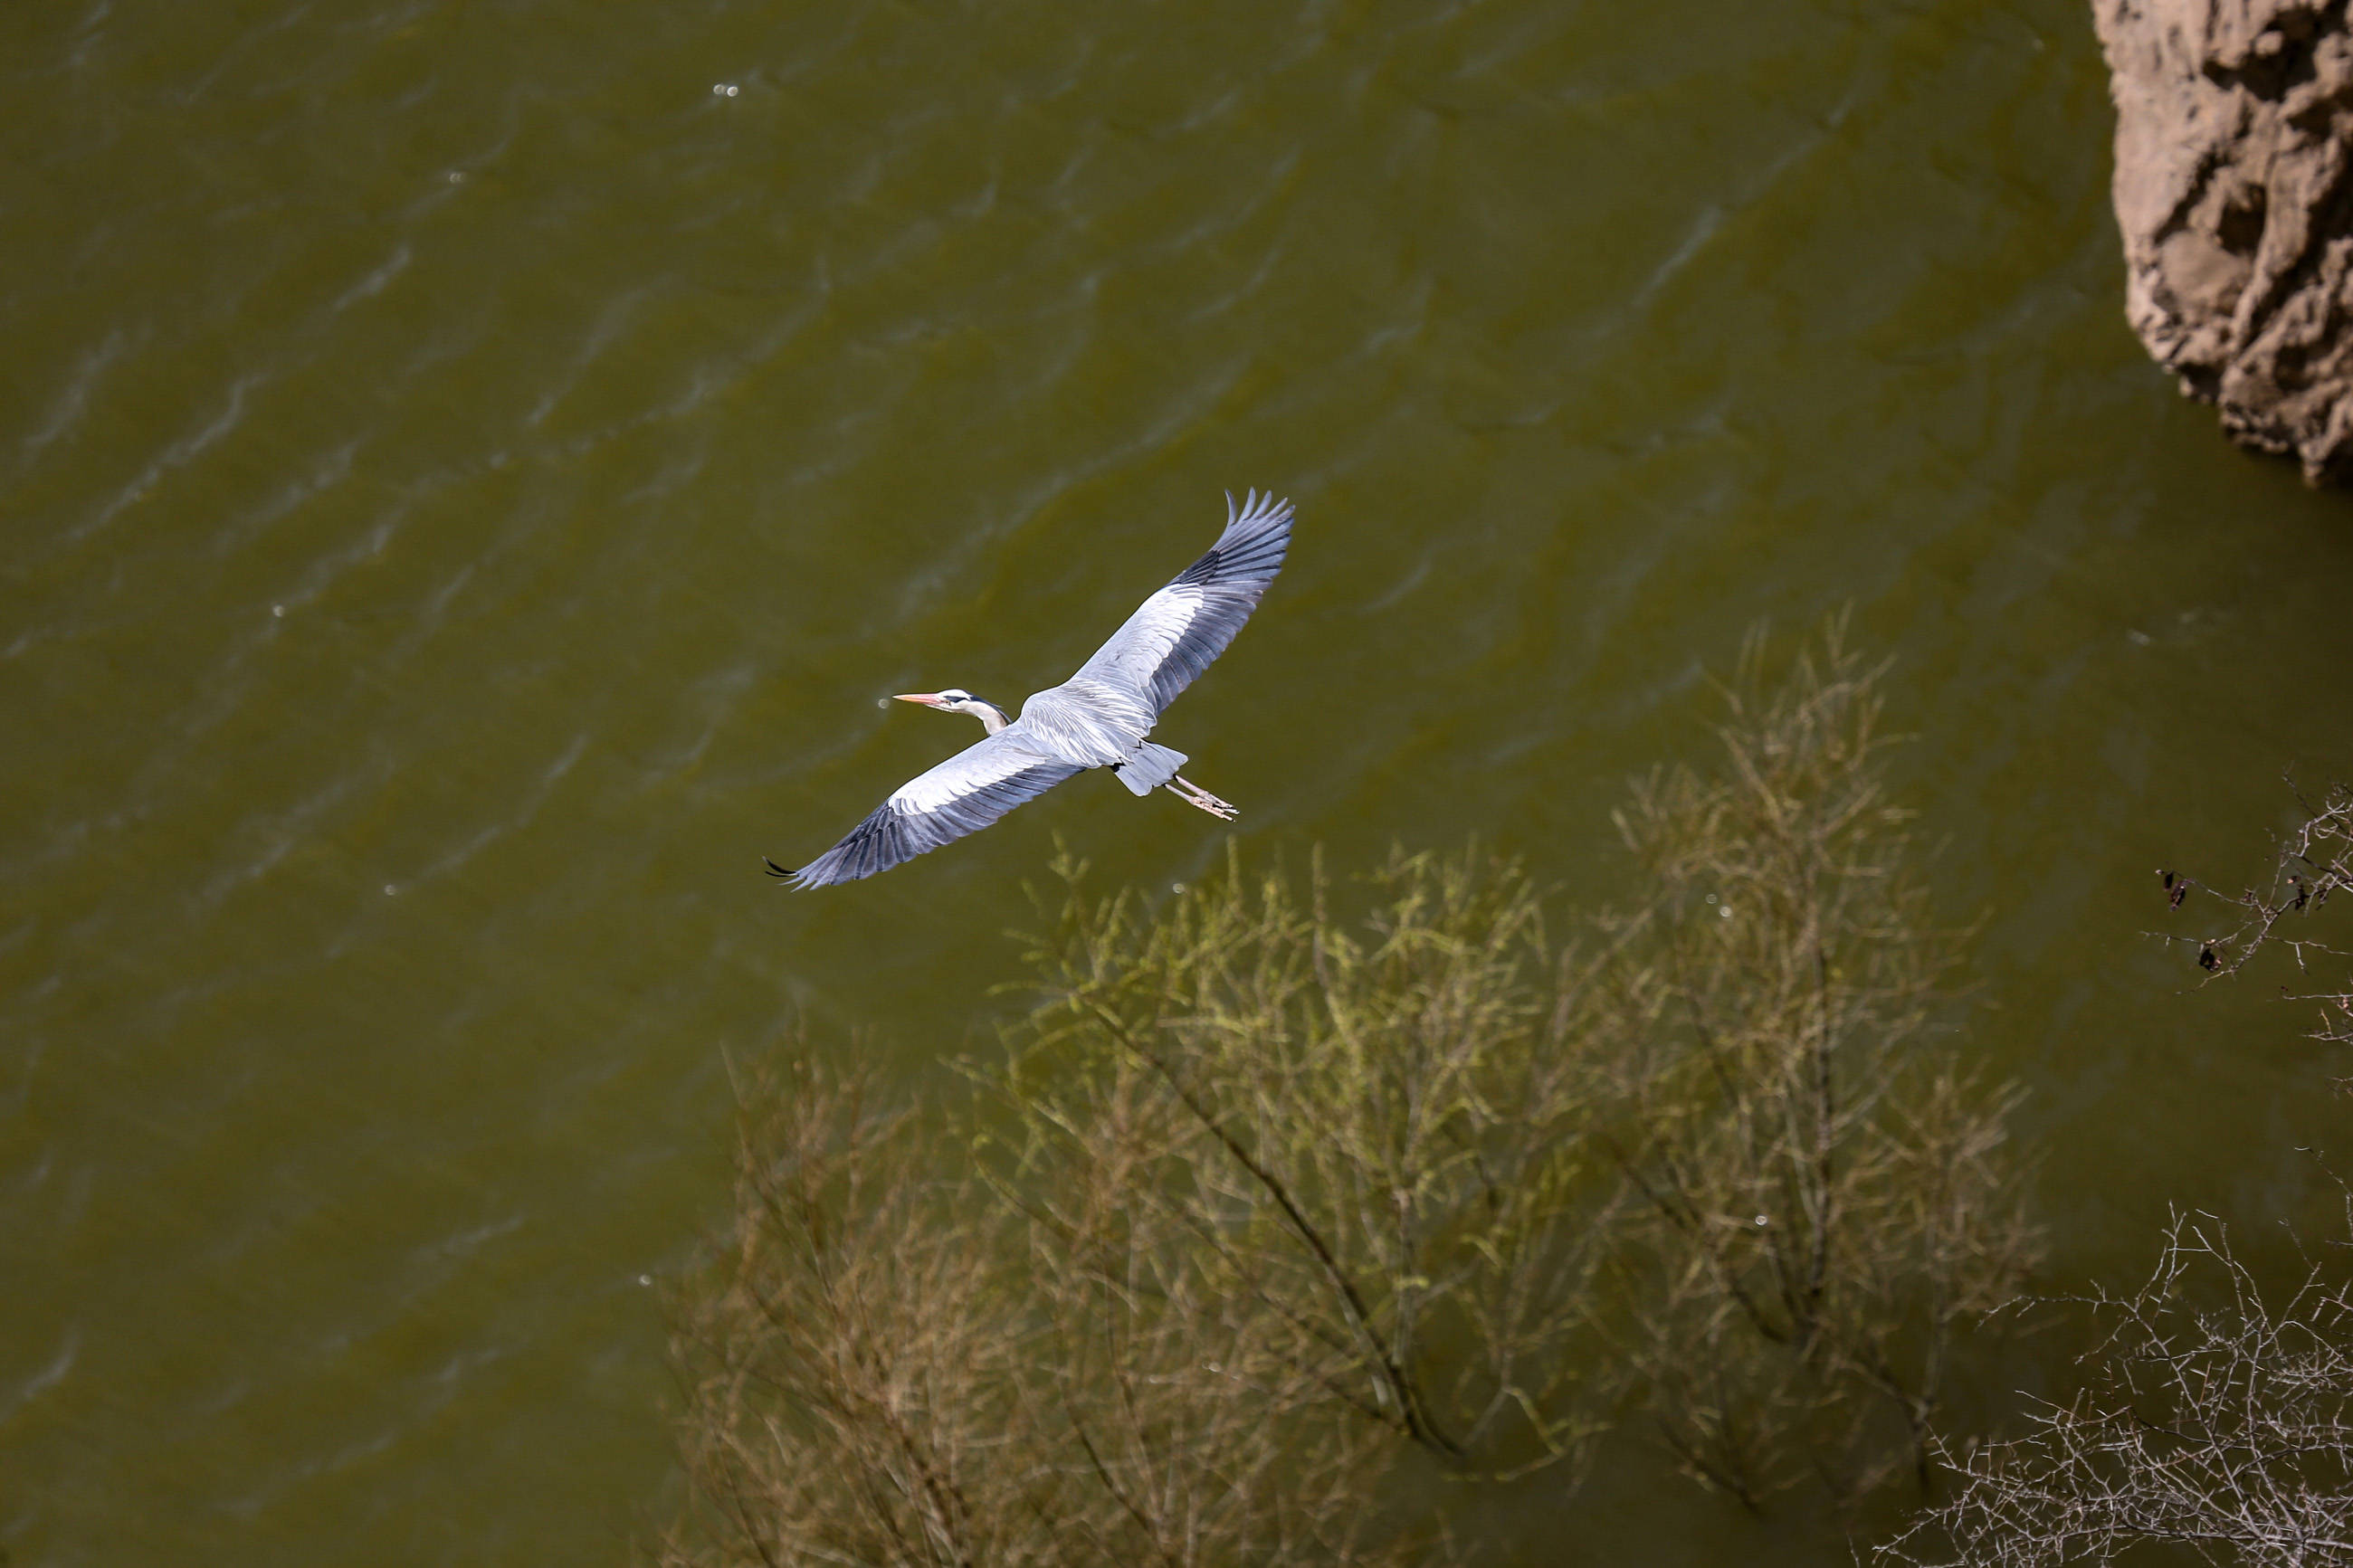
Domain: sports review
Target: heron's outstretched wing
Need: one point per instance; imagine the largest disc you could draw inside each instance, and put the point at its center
(1186, 625)
(963, 795)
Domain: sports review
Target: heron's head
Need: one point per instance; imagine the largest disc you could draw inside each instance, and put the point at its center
(956, 699)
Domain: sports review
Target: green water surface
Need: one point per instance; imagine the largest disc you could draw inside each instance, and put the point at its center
(470, 469)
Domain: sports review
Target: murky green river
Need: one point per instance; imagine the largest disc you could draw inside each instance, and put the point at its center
(470, 469)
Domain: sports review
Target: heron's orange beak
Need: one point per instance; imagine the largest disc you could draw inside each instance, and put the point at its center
(928, 699)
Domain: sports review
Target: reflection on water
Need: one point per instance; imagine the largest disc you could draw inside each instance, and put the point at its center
(468, 481)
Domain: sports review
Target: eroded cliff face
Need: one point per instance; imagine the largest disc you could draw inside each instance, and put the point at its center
(2234, 188)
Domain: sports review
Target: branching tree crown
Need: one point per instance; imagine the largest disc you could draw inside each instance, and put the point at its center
(1827, 1192)
(1281, 1186)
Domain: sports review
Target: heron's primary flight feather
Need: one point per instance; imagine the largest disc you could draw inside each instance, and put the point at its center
(1097, 717)
(1178, 630)
(963, 795)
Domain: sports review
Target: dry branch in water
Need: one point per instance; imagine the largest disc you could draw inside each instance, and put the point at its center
(2215, 1420)
(2315, 864)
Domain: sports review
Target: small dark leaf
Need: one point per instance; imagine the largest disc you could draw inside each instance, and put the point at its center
(2206, 959)
(2169, 878)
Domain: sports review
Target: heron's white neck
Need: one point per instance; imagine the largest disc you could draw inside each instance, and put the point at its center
(992, 718)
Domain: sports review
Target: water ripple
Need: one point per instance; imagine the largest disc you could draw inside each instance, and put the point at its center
(89, 369)
(375, 281)
(175, 456)
(60, 1366)
(521, 817)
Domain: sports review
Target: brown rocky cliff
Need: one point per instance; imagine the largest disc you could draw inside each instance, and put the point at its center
(2234, 189)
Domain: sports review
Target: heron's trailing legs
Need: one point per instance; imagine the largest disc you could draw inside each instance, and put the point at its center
(1191, 793)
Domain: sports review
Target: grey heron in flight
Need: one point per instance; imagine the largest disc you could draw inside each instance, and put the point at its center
(1097, 719)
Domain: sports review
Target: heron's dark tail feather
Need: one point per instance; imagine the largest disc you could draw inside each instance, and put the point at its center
(775, 869)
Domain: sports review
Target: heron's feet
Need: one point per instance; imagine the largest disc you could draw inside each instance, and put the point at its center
(1192, 794)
